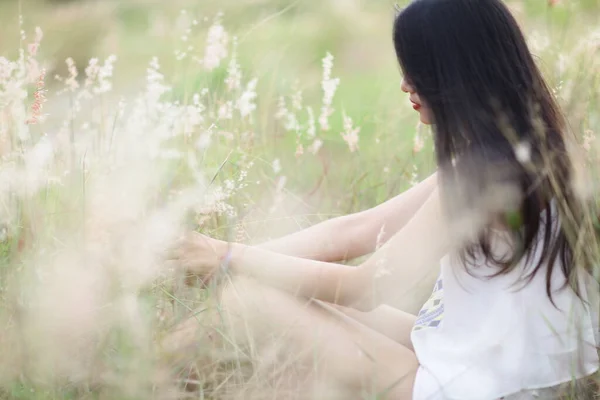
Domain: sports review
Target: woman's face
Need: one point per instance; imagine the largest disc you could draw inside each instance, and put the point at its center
(418, 104)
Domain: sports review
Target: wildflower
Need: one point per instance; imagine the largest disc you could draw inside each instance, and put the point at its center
(350, 134)
(204, 141)
(292, 124)
(104, 74)
(315, 146)
(248, 137)
(299, 150)
(278, 198)
(592, 41)
(234, 75)
(281, 181)
(192, 115)
(588, 139)
(240, 233)
(98, 76)
(6, 71)
(225, 110)
(3, 233)
(414, 176)
(216, 46)
(538, 41)
(182, 23)
(33, 47)
(523, 152)
(33, 67)
(71, 81)
(282, 110)
(276, 166)
(297, 97)
(39, 100)
(311, 130)
(229, 185)
(329, 87)
(155, 86)
(290, 121)
(561, 65)
(418, 142)
(245, 103)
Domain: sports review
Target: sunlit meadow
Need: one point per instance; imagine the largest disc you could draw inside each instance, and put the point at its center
(124, 123)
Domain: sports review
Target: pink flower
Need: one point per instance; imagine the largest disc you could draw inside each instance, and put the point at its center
(39, 100)
(32, 48)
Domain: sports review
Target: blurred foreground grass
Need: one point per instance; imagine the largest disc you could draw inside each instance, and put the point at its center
(89, 195)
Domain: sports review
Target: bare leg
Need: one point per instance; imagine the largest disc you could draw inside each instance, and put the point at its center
(389, 321)
(346, 354)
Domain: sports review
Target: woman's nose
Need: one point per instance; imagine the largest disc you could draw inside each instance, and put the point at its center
(405, 86)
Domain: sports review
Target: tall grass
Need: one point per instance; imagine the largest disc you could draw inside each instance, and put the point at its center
(99, 176)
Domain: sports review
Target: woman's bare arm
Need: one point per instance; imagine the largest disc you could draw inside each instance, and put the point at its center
(354, 235)
(390, 275)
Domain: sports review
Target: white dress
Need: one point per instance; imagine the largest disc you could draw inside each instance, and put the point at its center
(481, 338)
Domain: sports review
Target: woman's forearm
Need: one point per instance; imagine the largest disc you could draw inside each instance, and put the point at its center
(333, 283)
(354, 235)
(326, 241)
(394, 270)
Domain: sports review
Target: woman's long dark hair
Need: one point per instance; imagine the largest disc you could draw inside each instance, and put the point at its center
(494, 119)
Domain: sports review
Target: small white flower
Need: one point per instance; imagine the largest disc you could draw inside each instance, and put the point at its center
(523, 152)
(204, 141)
(297, 98)
(315, 146)
(414, 176)
(350, 134)
(226, 110)
(245, 103)
(311, 129)
(329, 86)
(276, 166)
(229, 184)
(281, 184)
(282, 110)
(216, 46)
(234, 74)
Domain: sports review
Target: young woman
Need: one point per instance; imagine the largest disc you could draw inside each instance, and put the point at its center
(509, 313)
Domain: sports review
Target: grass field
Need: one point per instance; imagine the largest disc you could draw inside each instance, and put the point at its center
(216, 115)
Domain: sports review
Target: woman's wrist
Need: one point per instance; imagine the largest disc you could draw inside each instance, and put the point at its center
(226, 252)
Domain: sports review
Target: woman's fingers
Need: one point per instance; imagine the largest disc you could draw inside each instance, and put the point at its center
(196, 254)
(184, 245)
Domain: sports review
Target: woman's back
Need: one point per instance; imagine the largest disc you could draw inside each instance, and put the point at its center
(481, 337)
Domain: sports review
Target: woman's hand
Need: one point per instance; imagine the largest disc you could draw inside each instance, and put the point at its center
(199, 255)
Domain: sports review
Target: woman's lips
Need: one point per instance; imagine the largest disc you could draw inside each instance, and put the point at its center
(416, 106)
